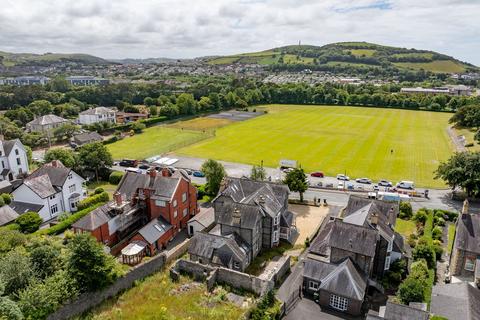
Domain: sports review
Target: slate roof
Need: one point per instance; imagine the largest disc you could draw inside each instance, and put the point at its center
(286, 219)
(47, 119)
(57, 175)
(206, 217)
(343, 279)
(400, 245)
(395, 311)
(87, 137)
(468, 233)
(8, 145)
(249, 215)
(345, 236)
(22, 207)
(6, 186)
(7, 215)
(94, 219)
(217, 247)
(456, 301)
(97, 110)
(154, 230)
(41, 185)
(164, 186)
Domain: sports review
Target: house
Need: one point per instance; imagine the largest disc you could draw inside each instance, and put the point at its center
(458, 300)
(341, 286)
(149, 209)
(24, 207)
(7, 215)
(203, 221)
(98, 114)
(25, 81)
(54, 187)
(465, 257)
(251, 216)
(395, 311)
(13, 159)
(86, 81)
(86, 137)
(126, 117)
(46, 124)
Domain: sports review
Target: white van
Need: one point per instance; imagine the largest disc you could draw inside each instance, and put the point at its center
(406, 185)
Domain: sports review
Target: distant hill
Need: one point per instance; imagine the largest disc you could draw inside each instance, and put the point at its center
(9, 59)
(344, 55)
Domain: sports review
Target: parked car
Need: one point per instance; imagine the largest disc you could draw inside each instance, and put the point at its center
(287, 170)
(406, 185)
(317, 174)
(188, 171)
(385, 183)
(341, 185)
(320, 184)
(199, 174)
(144, 166)
(363, 180)
(329, 185)
(376, 188)
(360, 188)
(342, 177)
(128, 163)
(350, 186)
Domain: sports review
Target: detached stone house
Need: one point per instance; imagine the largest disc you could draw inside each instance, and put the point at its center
(465, 258)
(86, 137)
(13, 159)
(53, 188)
(98, 114)
(152, 207)
(252, 215)
(46, 124)
(455, 301)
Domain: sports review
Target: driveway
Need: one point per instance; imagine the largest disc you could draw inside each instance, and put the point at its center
(310, 310)
(308, 220)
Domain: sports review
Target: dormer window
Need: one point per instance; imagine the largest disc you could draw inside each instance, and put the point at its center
(16, 152)
(276, 220)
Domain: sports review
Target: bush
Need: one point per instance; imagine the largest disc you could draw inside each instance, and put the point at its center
(99, 190)
(468, 145)
(406, 211)
(63, 216)
(438, 221)
(411, 290)
(67, 223)
(420, 216)
(307, 242)
(92, 200)
(111, 140)
(137, 127)
(151, 121)
(437, 233)
(267, 308)
(7, 199)
(438, 251)
(29, 222)
(115, 177)
(425, 251)
(412, 240)
(2, 202)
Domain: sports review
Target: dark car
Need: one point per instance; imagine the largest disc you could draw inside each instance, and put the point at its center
(385, 183)
(144, 166)
(128, 163)
(317, 174)
(198, 174)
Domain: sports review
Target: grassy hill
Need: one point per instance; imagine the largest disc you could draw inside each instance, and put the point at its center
(350, 55)
(9, 59)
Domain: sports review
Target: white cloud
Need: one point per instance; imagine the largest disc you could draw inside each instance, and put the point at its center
(181, 28)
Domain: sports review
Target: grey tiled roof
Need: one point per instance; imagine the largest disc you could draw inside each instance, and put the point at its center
(250, 215)
(22, 207)
(154, 230)
(97, 110)
(164, 187)
(206, 217)
(41, 185)
(57, 175)
(395, 311)
(7, 215)
(456, 301)
(87, 137)
(8, 146)
(94, 219)
(47, 119)
(223, 247)
(400, 245)
(468, 233)
(345, 236)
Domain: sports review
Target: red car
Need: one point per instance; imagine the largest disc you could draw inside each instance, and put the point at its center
(317, 174)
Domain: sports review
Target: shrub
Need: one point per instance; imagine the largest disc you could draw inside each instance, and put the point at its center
(99, 190)
(437, 233)
(420, 229)
(307, 242)
(7, 199)
(92, 200)
(438, 221)
(412, 240)
(151, 121)
(411, 290)
(267, 308)
(111, 140)
(420, 216)
(468, 145)
(137, 127)
(406, 211)
(438, 251)
(115, 177)
(29, 222)
(63, 216)
(424, 251)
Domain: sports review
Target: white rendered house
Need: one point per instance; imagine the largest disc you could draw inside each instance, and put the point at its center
(13, 159)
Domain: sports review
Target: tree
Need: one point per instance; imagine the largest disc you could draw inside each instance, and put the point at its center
(258, 173)
(41, 107)
(45, 259)
(59, 84)
(153, 110)
(94, 156)
(88, 264)
(411, 290)
(461, 170)
(7, 198)
(186, 103)
(149, 101)
(137, 126)
(406, 211)
(214, 172)
(426, 252)
(204, 104)
(65, 131)
(9, 309)
(29, 222)
(296, 180)
(15, 271)
(65, 156)
(467, 116)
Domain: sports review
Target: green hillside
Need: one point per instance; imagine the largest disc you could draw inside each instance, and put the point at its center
(9, 59)
(361, 55)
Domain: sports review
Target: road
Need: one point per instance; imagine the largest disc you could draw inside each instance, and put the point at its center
(438, 198)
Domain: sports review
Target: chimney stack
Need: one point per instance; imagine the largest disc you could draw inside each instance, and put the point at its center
(261, 199)
(374, 219)
(152, 173)
(55, 163)
(118, 198)
(165, 172)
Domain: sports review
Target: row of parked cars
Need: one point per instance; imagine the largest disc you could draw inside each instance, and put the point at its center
(382, 183)
(135, 166)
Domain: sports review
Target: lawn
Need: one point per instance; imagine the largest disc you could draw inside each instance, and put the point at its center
(335, 139)
(469, 138)
(405, 227)
(201, 124)
(157, 297)
(153, 141)
(108, 187)
(446, 66)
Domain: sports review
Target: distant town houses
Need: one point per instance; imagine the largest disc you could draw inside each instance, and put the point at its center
(86, 81)
(50, 190)
(147, 211)
(25, 80)
(452, 90)
(98, 114)
(249, 216)
(46, 123)
(13, 159)
(41, 80)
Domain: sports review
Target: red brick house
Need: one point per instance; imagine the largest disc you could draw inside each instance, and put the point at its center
(149, 209)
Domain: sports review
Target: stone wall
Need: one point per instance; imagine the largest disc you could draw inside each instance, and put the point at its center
(178, 251)
(90, 300)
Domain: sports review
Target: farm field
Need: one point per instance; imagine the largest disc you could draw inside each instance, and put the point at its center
(336, 139)
(434, 66)
(153, 141)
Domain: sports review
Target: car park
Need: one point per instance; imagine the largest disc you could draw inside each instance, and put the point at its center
(406, 185)
(385, 183)
(341, 185)
(317, 174)
(198, 174)
(342, 177)
(144, 166)
(128, 163)
(363, 180)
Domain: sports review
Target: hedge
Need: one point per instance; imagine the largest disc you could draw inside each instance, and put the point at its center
(151, 121)
(90, 201)
(67, 223)
(115, 177)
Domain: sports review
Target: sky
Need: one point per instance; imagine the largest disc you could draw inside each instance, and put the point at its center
(187, 29)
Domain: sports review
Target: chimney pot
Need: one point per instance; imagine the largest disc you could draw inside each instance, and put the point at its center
(54, 163)
(118, 198)
(165, 172)
(152, 173)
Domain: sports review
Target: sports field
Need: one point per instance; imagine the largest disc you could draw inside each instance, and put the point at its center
(358, 141)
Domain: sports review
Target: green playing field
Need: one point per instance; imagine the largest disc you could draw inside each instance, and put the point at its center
(363, 142)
